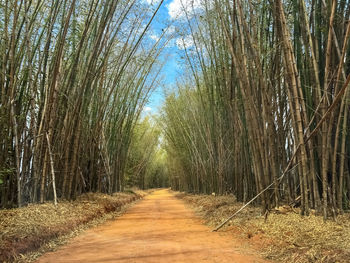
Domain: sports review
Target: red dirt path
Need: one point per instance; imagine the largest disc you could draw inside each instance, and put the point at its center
(160, 228)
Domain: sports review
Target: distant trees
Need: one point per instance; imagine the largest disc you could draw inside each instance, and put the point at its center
(144, 144)
(74, 76)
(268, 79)
(146, 163)
(157, 175)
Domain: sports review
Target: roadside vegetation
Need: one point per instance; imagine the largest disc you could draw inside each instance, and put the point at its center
(264, 106)
(28, 232)
(74, 79)
(283, 235)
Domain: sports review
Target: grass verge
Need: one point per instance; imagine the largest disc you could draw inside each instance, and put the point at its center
(28, 232)
(285, 236)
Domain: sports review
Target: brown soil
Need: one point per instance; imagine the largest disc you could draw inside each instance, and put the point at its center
(160, 228)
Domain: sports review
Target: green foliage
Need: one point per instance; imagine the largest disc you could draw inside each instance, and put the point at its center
(157, 174)
(145, 163)
(79, 72)
(8, 171)
(262, 74)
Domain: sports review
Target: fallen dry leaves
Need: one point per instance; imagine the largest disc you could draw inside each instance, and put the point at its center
(27, 229)
(284, 237)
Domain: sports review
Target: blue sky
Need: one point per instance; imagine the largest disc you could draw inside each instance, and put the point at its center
(169, 16)
(170, 70)
(170, 74)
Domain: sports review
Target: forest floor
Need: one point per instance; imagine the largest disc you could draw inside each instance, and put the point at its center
(285, 236)
(160, 228)
(28, 232)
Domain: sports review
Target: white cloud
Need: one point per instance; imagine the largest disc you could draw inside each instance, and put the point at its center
(147, 109)
(154, 37)
(151, 2)
(185, 42)
(177, 8)
(171, 29)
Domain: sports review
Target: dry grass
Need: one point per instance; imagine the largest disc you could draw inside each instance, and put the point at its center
(27, 229)
(284, 237)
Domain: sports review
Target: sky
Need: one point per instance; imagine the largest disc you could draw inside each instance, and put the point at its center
(169, 15)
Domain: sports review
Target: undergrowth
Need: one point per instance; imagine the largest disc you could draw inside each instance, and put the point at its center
(283, 237)
(26, 229)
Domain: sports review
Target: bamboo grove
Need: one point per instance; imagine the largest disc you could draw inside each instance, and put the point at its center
(74, 77)
(145, 166)
(267, 89)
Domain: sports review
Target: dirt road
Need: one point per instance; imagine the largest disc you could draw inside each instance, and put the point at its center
(160, 228)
